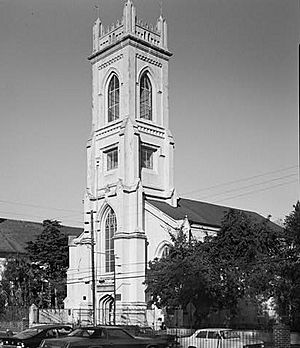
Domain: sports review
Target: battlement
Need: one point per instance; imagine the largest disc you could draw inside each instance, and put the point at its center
(130, 24)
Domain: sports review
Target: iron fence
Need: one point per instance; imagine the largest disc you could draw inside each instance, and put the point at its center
(223, 338)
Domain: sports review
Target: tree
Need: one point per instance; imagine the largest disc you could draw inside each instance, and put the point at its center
(3, 300)
(287, 281)
(181, 277)
(244, 250)
(49, 257)
(19, 282)
(39, 276)
(214, 274)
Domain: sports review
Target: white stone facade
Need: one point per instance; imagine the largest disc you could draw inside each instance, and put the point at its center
(126, 230)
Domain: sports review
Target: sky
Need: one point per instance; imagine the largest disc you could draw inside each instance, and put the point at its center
(233, 99)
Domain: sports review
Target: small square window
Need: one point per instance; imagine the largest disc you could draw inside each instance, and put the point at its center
(147, 157)
(112, 159)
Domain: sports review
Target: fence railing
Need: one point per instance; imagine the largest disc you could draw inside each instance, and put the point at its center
(218, 338)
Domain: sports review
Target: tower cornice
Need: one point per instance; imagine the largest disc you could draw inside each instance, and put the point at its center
(127, 40)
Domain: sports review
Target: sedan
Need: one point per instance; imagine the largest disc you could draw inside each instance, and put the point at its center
(104, 337)
(218, 338)
(31, 338)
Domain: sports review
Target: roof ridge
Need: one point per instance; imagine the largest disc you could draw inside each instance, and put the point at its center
(36, 223)
(220, 205)
(208, 203)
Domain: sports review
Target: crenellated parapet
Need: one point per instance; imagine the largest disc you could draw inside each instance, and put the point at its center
(155, 35)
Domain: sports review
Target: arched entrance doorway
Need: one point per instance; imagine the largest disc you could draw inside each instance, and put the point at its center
(106, 310)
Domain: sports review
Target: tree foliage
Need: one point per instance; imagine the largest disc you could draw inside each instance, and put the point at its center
(50, 251)
(3, 300)
(216, 273)
(245, 252)
(180, 278)
(18, 281)
(287, 282)
(39, 276)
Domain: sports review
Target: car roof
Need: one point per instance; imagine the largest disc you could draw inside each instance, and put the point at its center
(91, 327)
(49, 326)
(215, 329)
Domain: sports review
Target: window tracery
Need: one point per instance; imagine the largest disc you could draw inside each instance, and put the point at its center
(113, 99)
(145, 97)
(110, 230)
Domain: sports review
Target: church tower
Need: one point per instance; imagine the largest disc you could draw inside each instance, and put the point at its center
(129, 159)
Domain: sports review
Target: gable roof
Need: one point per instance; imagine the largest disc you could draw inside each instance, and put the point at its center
(14, 235)
(201, 213)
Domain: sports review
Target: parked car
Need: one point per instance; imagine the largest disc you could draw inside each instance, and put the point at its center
(139, 331)
(104, 337)
(147, 331)
(218, 338)
(31, 338)
(5, 334)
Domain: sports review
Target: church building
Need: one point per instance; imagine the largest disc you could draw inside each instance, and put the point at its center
(130, 205)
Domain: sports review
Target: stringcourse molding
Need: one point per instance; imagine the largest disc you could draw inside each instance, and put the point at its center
(111, 61)
(148, 60)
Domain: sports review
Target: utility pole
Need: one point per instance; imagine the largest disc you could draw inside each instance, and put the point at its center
(93, 267)
(115, 304)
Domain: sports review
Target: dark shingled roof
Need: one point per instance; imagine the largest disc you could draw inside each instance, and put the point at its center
(197, 212)
(14, 235)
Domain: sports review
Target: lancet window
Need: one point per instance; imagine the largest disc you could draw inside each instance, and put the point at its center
(110, 230)
(145, 97)
(113, 99)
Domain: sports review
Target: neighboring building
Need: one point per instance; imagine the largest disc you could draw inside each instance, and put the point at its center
(130, 203)
(15, 234)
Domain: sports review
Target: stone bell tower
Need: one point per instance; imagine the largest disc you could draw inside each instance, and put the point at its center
(129, 158)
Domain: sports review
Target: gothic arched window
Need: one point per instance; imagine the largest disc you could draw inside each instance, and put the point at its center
(165, 252)
(145, 97)
(113, 98)
(110, 229)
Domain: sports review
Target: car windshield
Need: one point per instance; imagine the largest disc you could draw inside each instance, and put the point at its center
(28, 333)
(229, 334)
